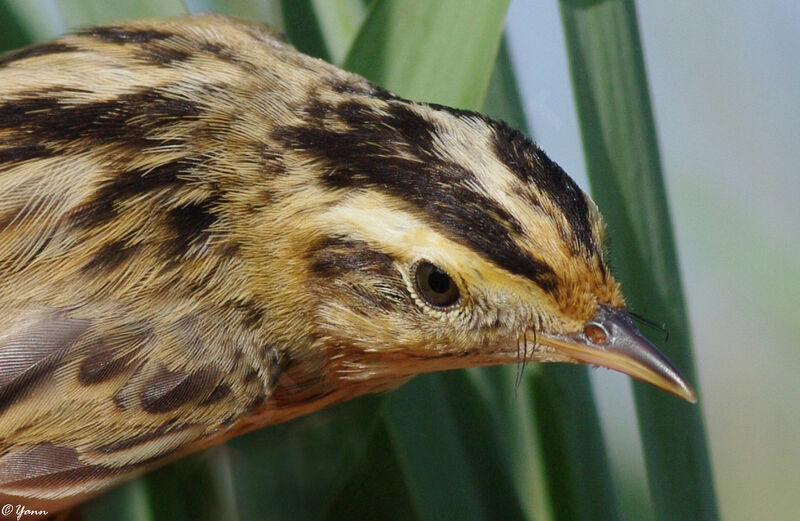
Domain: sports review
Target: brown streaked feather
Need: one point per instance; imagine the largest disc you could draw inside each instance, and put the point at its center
(114, 371)
(168, 390)
(31, 349)
(47, 467)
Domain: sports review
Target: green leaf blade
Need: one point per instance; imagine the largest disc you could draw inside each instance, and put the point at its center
(89, 12)
(576, 464)
(440, 52)
(303, 29)
(622, 156)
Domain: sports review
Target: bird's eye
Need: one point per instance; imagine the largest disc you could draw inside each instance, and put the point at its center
(435, 286)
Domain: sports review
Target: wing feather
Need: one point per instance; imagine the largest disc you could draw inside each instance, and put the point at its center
(85, 403)
(31, 349)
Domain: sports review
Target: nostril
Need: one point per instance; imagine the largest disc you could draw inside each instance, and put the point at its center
(596, 334)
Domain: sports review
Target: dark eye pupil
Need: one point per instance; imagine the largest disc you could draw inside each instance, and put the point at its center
(435, 286)
(439, 281)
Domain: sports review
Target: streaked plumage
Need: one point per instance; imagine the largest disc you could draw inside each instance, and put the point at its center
(203, 231)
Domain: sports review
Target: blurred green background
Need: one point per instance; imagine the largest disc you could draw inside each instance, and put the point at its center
(724, 85)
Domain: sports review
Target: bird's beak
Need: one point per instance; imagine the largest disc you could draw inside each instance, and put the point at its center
(611, 340)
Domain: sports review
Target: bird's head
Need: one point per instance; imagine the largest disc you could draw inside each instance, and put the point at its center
(447, 240)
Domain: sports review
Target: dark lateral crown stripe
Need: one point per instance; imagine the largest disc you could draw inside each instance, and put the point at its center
(395, 154)
(533, 166)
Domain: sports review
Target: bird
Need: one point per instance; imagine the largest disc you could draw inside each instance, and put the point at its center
(204, 232)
